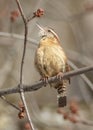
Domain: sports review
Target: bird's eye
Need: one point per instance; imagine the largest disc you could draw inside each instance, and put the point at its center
(49, 30)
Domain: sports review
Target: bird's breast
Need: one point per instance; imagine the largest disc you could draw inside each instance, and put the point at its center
(50, 60)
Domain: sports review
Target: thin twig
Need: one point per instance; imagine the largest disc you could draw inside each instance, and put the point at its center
(13, 105)
(21, 11)
(22, 63)
(25, 38)
(17, 36)
(30, 18)
(85, 122)
(40, 84)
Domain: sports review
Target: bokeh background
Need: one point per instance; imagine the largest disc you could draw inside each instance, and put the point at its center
(72, 20)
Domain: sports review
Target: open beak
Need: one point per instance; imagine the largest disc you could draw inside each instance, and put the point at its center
(40, 27)
(42, 30)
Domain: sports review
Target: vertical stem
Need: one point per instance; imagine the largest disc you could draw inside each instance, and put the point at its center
(22, 64)
(24, 51)
(27, 112)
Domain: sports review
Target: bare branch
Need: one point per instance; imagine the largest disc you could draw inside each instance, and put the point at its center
(21, 11)
(25, 37)
(17, 36)
(39, 84)
(22, 63)
(13, 105)
(30, 18)
(37, 13)
(85, 122)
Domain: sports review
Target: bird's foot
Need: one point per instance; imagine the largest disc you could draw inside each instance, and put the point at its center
(45, 80)
(60, 76)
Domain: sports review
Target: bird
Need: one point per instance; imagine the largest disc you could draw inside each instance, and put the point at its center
(51, 60)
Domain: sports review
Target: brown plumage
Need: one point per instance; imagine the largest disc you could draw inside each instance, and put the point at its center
(50, 60)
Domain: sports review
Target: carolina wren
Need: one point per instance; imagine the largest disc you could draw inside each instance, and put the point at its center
(50, 60)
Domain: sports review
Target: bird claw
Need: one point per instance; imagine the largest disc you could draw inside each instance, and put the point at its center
(45, 80)
(59, 76)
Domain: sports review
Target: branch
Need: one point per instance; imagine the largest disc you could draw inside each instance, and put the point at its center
(85, 122)
(17, 36)
(22, 63)
(13, 105)
(36, 86)
(25, 37)
(38, 13)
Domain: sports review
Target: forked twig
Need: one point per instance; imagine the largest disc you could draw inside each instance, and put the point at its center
(22, 63)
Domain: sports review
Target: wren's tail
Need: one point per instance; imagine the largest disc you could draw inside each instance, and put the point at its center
(61, 89)
(62, 101)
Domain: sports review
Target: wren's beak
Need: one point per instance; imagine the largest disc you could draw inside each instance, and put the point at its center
(42, 30)
(40, 27)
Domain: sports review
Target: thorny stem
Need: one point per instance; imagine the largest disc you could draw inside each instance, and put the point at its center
(22, 63)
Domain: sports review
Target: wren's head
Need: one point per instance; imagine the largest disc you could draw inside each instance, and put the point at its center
(47, 32)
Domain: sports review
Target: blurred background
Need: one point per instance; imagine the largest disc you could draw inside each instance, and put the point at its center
(72, 20)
